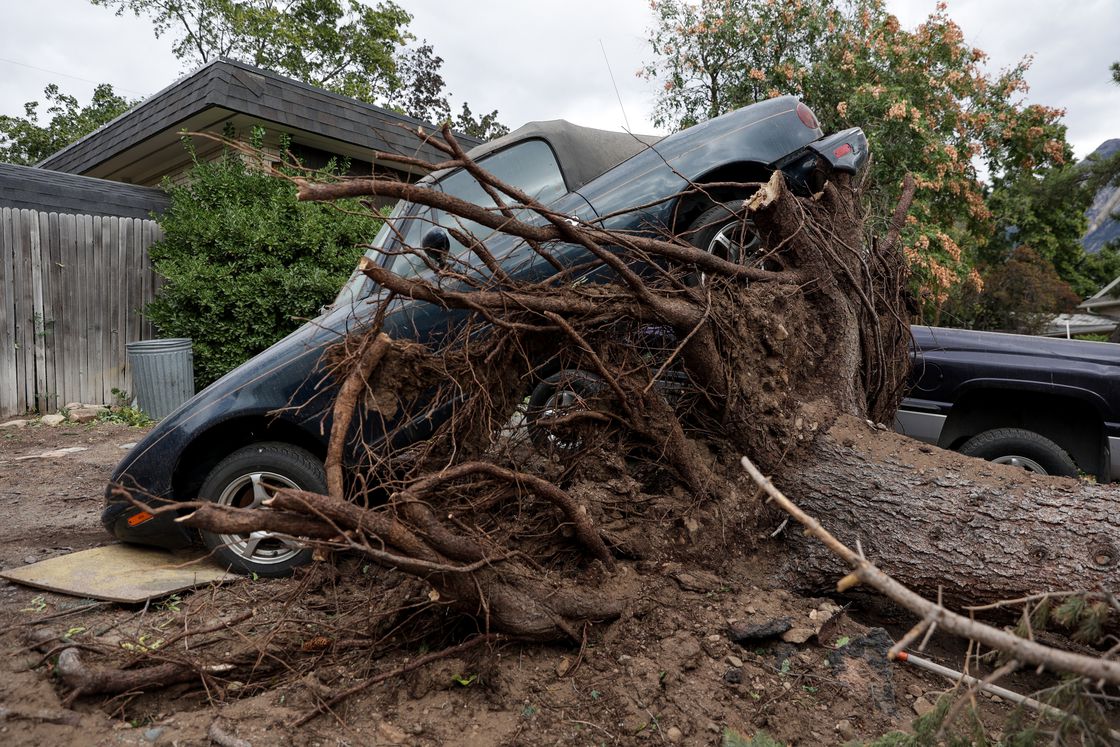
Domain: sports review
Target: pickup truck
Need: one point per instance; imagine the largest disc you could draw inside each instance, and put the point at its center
(1046, 405)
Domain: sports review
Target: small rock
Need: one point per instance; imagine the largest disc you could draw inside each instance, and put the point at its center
(391, 734)
(54, 420)
(64, 451)
(915, 691)
(563, 666)
(30, 559)
(624, 658)
(714, 638)
(922, 706)
(759, 631)
(780, 332)
(73, 406)
(798, 635)
(14, 424)
(153, 734)
(845, 730)
(996, 699)
(674, 735)
(713, 727)
(698, 581)
(130, 445)
(416, 729)
(83, 415)
(733, 676)
(734, 661)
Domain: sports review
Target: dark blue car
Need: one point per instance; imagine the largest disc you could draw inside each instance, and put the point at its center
(266, 423)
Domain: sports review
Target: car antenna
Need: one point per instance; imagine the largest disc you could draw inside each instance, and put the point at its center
(616, 93)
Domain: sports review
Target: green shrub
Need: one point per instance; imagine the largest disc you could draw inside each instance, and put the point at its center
(245, 263)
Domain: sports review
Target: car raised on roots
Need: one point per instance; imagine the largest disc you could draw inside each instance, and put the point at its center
(265, 424)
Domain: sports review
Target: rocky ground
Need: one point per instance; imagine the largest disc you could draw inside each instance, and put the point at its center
(703, 660)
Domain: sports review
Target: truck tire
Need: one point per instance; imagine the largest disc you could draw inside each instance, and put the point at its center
(562, 393)
(1021, 448)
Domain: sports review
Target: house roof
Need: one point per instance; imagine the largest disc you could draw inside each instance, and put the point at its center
(1079, 324)
(226, 91)
(1105, 297)
(54, 192)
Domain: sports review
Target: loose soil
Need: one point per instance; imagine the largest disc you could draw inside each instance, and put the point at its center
(668, 672)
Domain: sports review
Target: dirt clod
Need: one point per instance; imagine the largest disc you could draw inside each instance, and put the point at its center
(750, 632)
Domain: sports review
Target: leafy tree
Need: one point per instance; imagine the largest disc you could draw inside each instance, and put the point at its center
(922, 97)
(244, 263)
(345, 46)
(484, 127)
(422, 95)
(24, 140)
(1022, 294)
(1045, 211)
(1018, 295)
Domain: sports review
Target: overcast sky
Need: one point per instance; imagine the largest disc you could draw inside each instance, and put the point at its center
(544, 59)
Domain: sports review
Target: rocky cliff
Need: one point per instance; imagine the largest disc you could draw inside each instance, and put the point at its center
(1103, 227)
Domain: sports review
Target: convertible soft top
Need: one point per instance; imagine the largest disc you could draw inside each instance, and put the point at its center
(583, 152)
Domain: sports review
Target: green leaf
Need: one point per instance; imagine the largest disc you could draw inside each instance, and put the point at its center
(732, 738)
(38, 604)
(244, 263)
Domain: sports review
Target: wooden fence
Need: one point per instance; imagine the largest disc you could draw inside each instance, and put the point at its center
(71, 291)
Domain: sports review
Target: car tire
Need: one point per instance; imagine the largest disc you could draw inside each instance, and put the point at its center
(723, 231)
(565, 390)
(1021, 448)
(241, 480)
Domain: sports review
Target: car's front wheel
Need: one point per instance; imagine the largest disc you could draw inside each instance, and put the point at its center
(245, 479)
(1021, 448)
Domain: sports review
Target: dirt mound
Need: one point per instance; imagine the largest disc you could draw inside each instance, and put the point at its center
(682, 666)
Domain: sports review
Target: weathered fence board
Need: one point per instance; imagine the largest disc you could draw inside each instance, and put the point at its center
(8, 403)
(71, 291)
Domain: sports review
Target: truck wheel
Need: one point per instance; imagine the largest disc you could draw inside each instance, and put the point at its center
(562, 394)
(1021, 448)
(244, 479)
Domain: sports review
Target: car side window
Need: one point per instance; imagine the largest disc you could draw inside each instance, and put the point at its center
(530, 166)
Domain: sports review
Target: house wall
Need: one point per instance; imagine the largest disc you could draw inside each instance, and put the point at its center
(72, 288)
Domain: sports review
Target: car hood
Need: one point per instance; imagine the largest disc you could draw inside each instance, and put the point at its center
(935, 339)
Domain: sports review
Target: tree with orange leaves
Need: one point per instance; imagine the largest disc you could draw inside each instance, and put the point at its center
(923, 96)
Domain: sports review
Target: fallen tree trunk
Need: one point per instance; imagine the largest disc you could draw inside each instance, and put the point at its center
(940, 522)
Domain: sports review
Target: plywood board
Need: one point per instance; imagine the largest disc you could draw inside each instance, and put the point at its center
(120, 573)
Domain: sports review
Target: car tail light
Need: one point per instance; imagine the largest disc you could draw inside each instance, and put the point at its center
(842, 151)
(805, 114)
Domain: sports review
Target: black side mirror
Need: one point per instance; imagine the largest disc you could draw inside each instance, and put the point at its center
(436, 245)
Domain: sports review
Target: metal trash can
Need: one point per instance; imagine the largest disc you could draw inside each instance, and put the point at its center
(162, 374)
